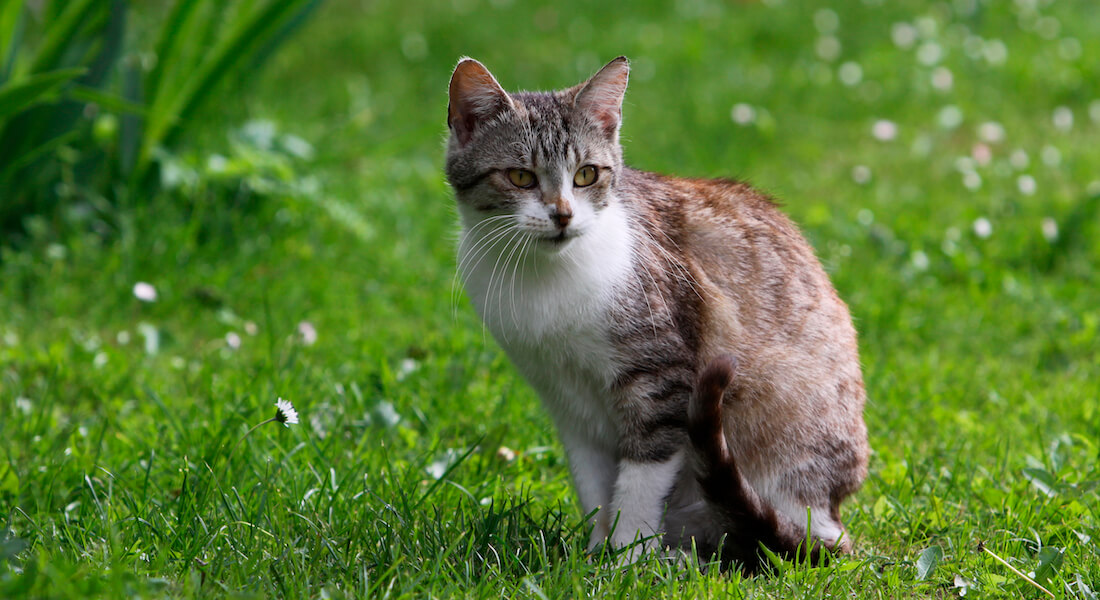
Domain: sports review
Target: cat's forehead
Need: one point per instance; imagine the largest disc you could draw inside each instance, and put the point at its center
(545, 108)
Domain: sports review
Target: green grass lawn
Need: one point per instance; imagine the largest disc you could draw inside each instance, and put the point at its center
(941, 157)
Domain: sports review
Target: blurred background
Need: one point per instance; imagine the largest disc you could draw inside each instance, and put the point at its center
(205, 205)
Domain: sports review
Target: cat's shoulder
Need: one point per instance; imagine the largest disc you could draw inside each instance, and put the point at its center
(699, 198)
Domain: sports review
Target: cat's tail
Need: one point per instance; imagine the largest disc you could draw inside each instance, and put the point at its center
(749, 521)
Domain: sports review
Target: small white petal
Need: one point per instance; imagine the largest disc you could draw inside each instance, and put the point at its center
(285, 413)
(145, 292)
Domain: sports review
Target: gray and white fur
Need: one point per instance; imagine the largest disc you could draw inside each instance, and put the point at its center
(700, 369)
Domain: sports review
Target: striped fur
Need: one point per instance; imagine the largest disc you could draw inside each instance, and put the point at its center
(701, 370)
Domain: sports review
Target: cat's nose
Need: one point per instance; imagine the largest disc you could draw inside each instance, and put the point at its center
(561, 218)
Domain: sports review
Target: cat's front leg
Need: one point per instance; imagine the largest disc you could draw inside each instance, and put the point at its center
(593, 468)
(638, 503)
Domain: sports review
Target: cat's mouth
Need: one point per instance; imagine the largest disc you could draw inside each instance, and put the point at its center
(562, 238)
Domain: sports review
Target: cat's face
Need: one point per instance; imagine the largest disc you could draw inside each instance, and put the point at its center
(542, 164)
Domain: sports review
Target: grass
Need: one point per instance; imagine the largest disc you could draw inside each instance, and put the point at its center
(119, 474)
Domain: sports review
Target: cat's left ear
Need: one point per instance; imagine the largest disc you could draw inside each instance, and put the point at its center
(601, 97)
(475, 97)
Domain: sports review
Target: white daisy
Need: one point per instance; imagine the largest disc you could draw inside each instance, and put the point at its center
(285, 413)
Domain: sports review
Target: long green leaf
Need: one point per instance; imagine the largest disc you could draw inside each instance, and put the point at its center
(61, 33)
(10, 13)
(106, 100)
(35, 89)
(231, 51)
(37, 152)
(167, 48)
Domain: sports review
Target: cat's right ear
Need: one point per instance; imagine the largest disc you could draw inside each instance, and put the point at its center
(475, 96)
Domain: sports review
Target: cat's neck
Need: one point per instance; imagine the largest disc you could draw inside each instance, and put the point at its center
(525, 290)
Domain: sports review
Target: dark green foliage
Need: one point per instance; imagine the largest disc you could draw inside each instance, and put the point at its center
(82, 114)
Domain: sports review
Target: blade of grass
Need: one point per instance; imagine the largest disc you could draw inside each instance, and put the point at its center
(11, 17)
(179, 21)
(61, 33)
(35, 89)
(106, 100)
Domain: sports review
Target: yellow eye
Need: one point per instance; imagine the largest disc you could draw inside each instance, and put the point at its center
(521, 178)
(585, 176)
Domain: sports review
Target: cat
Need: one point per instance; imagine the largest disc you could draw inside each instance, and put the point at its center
(700, 369)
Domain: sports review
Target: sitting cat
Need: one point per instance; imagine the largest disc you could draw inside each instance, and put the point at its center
(701, 371)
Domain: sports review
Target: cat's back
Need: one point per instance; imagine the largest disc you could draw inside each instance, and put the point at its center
(762, 293)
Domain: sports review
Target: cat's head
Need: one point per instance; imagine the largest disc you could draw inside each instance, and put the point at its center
(548, 160)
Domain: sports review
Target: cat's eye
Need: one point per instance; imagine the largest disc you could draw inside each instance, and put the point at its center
(522, 178)
(586, 175)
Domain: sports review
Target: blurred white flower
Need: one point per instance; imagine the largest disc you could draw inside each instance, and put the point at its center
(861, 174)
(904, 35)
(942, 79)
(307, 332)
(826, 20)
(233, 340)
(982, 154)
(1019, 159)
(920, 260)
(827, 48)
(743, 114)
(1063, 118)
(983, 228)
(884, 130)
(1026, 184)
(850, 73)
(1050, 229)
(145, 292)
(949, 117)
(1051, 156)
(995, 52)
(285, 413)
(929, 53)
(991, 132)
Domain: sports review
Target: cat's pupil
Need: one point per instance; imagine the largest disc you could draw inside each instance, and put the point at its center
(521, 178)
(585, 176)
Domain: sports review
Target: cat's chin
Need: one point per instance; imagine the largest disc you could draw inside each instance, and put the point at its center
(557, 243)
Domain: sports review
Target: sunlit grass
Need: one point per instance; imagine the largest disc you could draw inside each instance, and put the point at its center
(941, 158)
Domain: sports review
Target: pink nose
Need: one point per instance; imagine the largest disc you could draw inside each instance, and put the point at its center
(562, 218)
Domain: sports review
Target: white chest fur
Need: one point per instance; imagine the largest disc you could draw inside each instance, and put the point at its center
(550, 310)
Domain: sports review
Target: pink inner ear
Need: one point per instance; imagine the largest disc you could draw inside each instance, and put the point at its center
(602, 97)
(474, 96)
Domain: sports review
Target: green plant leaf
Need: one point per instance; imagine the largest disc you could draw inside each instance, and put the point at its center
(62, 33)
(35, 89)
(1042, 480)
(10, 14)
(1050, 560)
(106, 100)
(927, 561)
(231, 51)
(9, 481)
